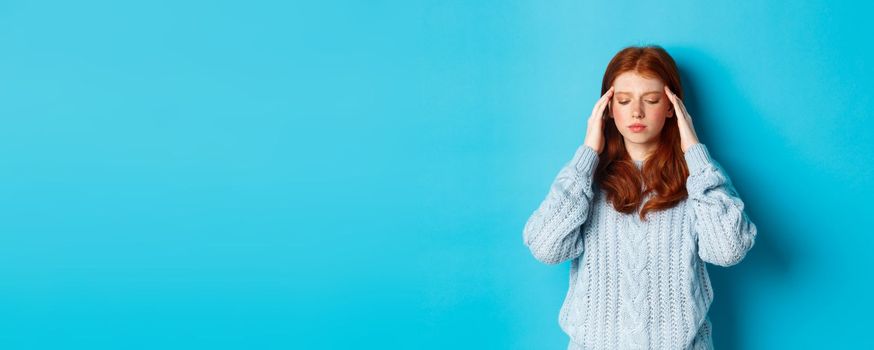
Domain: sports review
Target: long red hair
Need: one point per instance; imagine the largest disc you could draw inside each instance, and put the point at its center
(664, 173)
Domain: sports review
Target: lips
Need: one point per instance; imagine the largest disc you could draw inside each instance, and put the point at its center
(637, 127)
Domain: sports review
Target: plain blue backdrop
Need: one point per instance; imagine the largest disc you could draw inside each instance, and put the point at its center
(333, 175)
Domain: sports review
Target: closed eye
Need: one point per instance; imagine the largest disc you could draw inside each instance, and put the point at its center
(649, 101)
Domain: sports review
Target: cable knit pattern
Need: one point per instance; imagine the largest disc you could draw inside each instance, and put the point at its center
(639, 284)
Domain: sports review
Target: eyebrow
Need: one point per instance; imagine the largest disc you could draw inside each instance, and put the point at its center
(645, 93)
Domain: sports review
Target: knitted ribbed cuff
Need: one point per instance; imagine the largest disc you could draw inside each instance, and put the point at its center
(585, 159)
(697, 157)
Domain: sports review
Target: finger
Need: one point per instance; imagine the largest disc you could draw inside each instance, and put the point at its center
(683, 109)
(671, 95)
(669, 91)
(608, 96)
(673, 98)
(679, 107)
(599, 108)
(602, 102)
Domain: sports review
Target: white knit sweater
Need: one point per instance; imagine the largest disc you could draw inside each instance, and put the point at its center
(639, 284)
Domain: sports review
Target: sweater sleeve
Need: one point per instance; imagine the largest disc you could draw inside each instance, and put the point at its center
(552, 233)
(724, 231)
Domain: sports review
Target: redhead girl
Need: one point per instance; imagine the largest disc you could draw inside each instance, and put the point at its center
(638, 210)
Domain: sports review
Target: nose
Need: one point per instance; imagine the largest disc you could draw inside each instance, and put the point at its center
(636, 113)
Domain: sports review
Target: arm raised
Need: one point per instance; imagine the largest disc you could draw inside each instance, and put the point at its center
(724, 231)
(553, 232)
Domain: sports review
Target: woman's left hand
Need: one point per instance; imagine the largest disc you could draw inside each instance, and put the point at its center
(688, 138)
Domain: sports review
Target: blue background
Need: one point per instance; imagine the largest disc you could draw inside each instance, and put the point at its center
(324, 175)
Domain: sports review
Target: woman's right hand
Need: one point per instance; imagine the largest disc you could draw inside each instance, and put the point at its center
(595, 129)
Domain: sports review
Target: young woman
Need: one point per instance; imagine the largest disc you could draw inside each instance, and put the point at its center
(638, 210)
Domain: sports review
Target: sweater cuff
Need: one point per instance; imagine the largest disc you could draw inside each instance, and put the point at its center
(697, 157)
(585, 159)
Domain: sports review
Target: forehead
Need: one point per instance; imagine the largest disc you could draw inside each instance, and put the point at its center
(632, 81)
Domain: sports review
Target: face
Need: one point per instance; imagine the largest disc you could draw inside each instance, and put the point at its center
(639, 100)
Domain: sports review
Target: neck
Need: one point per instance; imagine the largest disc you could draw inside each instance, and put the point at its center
(639, 151)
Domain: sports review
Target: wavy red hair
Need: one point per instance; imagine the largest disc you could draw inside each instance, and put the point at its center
(664, 173)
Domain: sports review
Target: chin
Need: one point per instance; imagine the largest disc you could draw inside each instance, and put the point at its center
(641, 139)
(637, 138)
